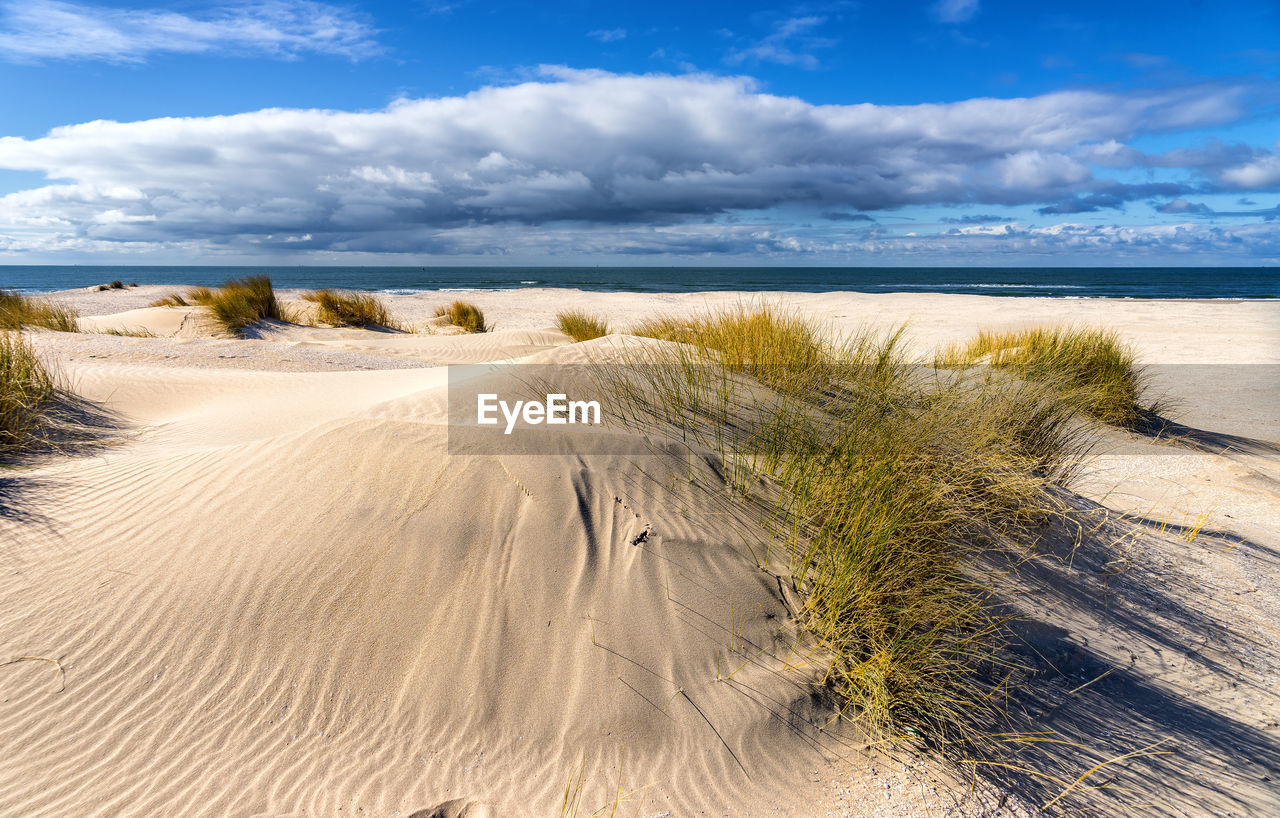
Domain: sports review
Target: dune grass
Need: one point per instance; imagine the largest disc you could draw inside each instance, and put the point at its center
(572, 800)
(243, 301)
(344, 309)
(26, 391)
(1093, 366)
(130, 332)
(235, 305)
(893, 481)
(18, 311)
(464, 314)
(773, 346)
(200, 295)
(196, 296)
(581, 325)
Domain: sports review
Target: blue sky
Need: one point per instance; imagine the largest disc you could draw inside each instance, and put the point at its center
(952, 132)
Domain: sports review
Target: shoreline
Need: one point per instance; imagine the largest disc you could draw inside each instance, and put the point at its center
(1159, 282)
(1196, 331)
(410, 291)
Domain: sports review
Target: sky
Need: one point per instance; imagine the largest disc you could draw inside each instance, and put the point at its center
(945, 132)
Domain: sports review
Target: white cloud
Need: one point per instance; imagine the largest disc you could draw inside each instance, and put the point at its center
(1143, 243)
(444, 8)
(578, 158)
(1038, 170)
(1263, 172)
(779, 46)
(955, 11)
(608, 35)
(36, 30)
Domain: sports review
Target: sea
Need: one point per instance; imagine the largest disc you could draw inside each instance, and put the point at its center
(1054, 282)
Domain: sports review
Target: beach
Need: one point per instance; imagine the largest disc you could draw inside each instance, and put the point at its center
(271, 588)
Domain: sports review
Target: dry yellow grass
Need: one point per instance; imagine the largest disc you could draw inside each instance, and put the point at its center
(18, 311)
(465, 315)
(1093, 367)
(343, 309)
(581, 325)
(171, 300)
(893, 479)
(244, 301)
(235, 305)
(26, 391)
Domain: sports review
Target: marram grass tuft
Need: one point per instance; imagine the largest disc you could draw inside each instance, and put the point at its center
(240, 302)
(893, 480)
(18, 311)
(343, 309)
(1093, 367)
(26, 391)
(465, 315)
(581, 325)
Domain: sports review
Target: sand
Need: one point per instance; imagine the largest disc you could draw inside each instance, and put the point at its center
(273, 591)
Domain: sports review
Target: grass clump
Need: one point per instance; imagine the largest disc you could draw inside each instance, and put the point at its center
(764, 342)
(201, 295)
(1093, 367)
(26, 391)
(18, 311)
(465, 315)
(340, 309)
(130, 332)
(893, 481)
(196, 296)
(581, 325)
(240, 302)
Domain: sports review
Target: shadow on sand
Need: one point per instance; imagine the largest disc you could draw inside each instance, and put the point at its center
(72, 427)
(1140, 673)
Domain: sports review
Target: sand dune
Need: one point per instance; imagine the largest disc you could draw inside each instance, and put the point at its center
(277, 593)
(280, 580)
(167, 322)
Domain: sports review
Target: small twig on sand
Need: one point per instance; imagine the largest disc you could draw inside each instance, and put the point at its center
(1091, 681)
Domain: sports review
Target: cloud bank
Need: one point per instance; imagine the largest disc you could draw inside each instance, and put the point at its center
(592, 162)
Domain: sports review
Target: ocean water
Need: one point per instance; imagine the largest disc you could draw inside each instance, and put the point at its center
(1057, 282)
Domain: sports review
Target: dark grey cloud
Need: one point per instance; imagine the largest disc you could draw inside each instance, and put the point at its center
(1083, 204)
(839, 216)
(1184, 206)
